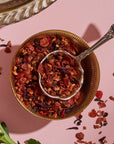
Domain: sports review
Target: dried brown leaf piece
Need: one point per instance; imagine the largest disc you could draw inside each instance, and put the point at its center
(111, 98)
(100, 132)
(80, 136)
(84, 127)
(7, 50)
(103, 140)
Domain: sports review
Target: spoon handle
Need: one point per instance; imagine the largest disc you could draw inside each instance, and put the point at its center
(109, 35)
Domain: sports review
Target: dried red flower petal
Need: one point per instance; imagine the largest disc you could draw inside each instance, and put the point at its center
(100, 132)
(7, 47)
(7, 50)
(80, 135)
(84, 127)
(44, 42)
(93, 113)
(9, 44)
(29, 47)
(99, 120)
(101, 140)
(96, 126)
(111, 98)
(102, 104)
(99, 94)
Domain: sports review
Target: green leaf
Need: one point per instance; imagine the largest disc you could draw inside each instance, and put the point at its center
(5, 138)
(33, 141)
(1, 141)
(5, 127)
(1, 135)
(4, 135)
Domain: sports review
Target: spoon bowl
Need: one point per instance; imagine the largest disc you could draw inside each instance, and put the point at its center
(80, 77)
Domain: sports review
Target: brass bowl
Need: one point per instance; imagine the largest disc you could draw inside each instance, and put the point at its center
(91, 73)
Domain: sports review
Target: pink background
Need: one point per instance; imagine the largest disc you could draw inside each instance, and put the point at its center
(89, 20)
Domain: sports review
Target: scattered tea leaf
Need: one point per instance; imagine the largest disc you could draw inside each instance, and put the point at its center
(75, 128)
(111, 98)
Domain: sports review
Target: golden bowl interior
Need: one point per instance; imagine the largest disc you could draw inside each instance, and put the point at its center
(91, 73)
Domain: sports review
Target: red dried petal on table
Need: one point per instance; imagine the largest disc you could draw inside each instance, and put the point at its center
(84, 127)
(100, 132)
(9, 44)
(93, 113)
(99, 120)
(80, 135)
(8, 47)
(111, 98)
(7, 50)
(102, 104)
(99, 94)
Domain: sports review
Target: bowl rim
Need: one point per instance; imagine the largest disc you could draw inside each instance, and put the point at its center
(83, 106)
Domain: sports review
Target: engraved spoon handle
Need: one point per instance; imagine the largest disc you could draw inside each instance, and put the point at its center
(109, 35)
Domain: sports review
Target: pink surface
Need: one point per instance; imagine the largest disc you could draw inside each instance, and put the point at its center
(88, 19)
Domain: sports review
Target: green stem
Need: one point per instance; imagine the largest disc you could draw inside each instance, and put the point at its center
(5, 138)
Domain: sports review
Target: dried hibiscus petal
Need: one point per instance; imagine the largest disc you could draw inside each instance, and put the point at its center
(99, 94)
(9, 44)
(7, 50)
(102, 140)
(93, 113)
(102, 104)
(44, 42)
(29, 47)
(80, 135)
(111, 98)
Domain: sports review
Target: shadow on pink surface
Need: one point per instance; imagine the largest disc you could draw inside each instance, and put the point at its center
(92, 33)
(17, 118)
